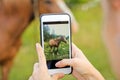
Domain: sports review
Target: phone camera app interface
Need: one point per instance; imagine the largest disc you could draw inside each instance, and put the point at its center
(56, 41)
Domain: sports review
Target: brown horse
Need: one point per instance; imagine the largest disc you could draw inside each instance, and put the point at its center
(15, 16)
(54, 43)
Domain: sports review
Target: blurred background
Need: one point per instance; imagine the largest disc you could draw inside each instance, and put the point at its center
(88, 38)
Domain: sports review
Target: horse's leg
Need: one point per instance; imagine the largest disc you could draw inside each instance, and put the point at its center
(50, 48)
(6, 68)
(57, 51)
(112, 32)
(53, 51)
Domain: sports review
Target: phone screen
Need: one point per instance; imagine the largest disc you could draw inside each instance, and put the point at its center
(56, 36)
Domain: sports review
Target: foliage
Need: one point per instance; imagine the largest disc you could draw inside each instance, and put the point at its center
(76, 1)
(71, 3)
(63, 51)
(46, 32)
(47, 35)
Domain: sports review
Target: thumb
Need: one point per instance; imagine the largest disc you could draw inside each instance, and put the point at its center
(66, 62)
(41, 56)
(58, 76)
(40, 53)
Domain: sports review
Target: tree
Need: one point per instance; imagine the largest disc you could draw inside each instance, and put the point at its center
(46, 32)
(75, 2)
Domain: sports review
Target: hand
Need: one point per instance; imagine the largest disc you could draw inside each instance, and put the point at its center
(82, 68)
(40, 71)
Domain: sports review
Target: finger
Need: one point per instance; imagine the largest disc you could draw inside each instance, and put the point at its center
(76, 52)
(35, 70)
(58, 76)
(36, 67)
(41, 55)
(73, 50)
(65, 62)
(30, 78)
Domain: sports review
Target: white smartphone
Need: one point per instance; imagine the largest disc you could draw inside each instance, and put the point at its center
(56, 40)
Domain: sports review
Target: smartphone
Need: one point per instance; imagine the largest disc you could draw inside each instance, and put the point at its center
(56, 40)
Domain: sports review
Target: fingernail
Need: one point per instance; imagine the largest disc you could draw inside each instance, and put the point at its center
(37, 44)
(57, 64)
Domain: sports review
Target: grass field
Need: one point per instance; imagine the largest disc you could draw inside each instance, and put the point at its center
(51, 54)
(88, 39)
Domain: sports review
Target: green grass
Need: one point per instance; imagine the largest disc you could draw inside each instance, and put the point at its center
(88, 38)
(51, 54)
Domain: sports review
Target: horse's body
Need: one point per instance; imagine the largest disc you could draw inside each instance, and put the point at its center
(54, 43)
(15, 16)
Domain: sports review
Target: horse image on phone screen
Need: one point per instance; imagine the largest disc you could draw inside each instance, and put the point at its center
(54, 43)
